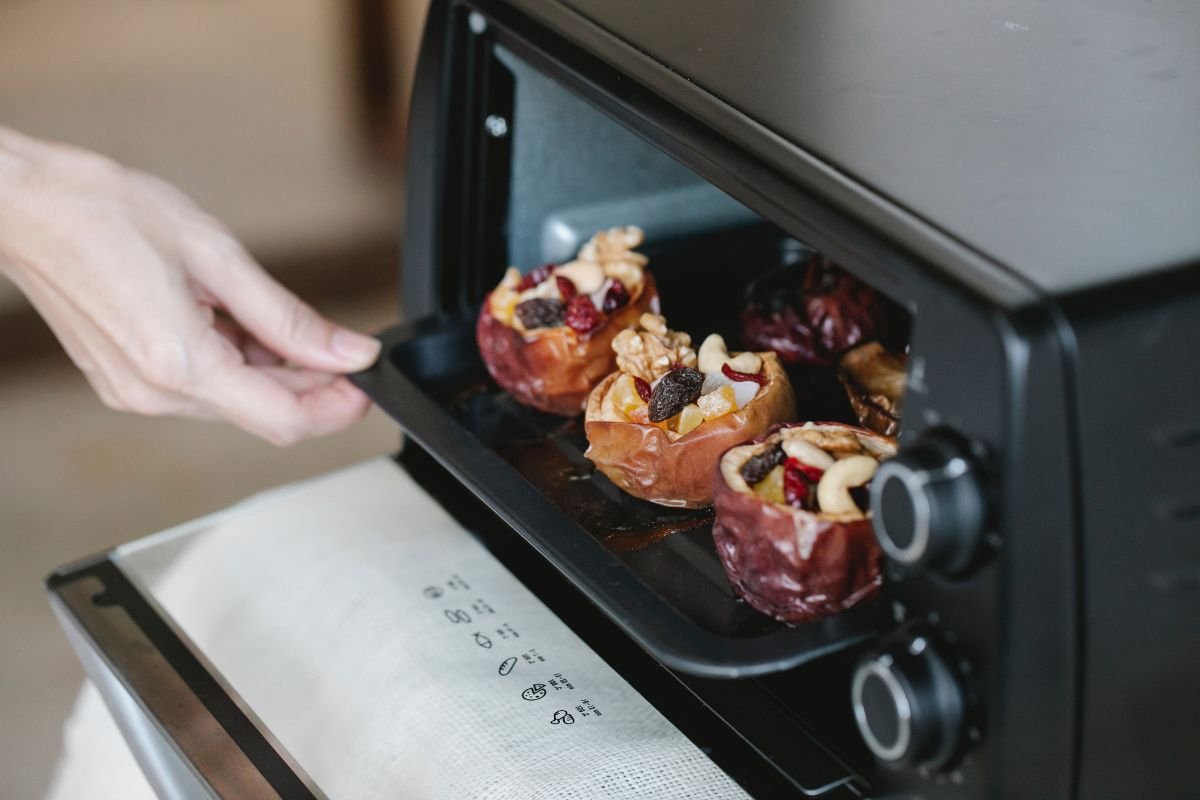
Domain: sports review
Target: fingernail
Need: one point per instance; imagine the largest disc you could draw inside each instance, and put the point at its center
(354, 349)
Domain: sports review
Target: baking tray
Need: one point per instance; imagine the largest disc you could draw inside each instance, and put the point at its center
(653, 570)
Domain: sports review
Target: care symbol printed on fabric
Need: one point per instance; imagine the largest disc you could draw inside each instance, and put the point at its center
(562, 716)
(535, 692)
(506, 666)
(433, 592)
(457, 616)
(483, 641)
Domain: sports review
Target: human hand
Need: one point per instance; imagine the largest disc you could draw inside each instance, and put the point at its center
(159, 305)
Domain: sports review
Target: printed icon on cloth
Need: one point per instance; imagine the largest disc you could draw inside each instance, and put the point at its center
(535, 692)
(483, 641)
(457, 615)
(433, 592)
(506, 666)
(562, 716)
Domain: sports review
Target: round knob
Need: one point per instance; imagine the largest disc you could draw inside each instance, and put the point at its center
(908, 706)
(928, 507)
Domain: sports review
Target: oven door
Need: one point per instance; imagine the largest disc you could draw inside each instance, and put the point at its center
(380, 632)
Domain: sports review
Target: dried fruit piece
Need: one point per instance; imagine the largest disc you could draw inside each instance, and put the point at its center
(625, 397)
(719, 403)
(535, 276)
(771, 488)
(757, 467)
(674, 391)
(799, 480)
(616, 296)
(582, 315)
(689, 418)
(566, 289)
(734, 375)
(540, 312)
(643, 388)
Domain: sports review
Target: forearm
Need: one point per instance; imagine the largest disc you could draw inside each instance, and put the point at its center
(129, 273)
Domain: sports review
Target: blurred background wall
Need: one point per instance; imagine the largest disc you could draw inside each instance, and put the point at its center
(285, 119)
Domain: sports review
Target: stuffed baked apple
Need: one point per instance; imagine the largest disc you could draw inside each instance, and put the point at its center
(810, 314)
(874, 379)
(657, 426)
(792, 524)
(546, 337)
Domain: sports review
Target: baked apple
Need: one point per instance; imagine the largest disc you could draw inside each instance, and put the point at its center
(546, 337)
(657, 426)
(811, 313)
(874, 379)
(792, 525)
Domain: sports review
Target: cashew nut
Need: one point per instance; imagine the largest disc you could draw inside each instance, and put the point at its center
(712, 354)
(807, 453)
(833, 491)
(747, 362)
(587, 276)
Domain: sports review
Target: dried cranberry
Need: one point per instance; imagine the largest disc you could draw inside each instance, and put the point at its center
(734, 375)
(566, 288)
(540, 312)
(582, 315)
(799, 479)
(757, 467)
(535, 276)
(796, 490)
(616, 296)
(643, 388)
(674, 391)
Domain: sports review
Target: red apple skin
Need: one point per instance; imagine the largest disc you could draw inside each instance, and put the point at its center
(762, 547)
(554, 370)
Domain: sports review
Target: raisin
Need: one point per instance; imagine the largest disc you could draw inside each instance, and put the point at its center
(566, 288)
(616, 296)
(643, 388)
(582, 315)
(535, 276)
(674, 391)
(540, 312)
(734, 375)
(861, 495)
(757, 467)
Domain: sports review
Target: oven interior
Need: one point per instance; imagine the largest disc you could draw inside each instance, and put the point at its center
(545, 171)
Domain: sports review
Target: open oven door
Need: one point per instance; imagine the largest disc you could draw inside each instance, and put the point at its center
(378, 632)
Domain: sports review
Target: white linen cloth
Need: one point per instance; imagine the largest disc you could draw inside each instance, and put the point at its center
(395, 658)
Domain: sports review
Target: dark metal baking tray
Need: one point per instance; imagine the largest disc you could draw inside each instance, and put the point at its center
(653, 570)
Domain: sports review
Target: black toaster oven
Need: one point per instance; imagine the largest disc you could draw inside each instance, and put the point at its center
(1022, 183)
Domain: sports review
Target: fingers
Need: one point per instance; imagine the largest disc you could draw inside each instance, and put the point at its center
(284, 406)
(275, 316)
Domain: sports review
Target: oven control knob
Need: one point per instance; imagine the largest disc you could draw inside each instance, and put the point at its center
(908, 706)
(927, 505)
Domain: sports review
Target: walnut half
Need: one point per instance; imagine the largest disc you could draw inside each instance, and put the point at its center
(651, 349)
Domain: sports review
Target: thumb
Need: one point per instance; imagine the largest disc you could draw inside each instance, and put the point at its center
(282, 321)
